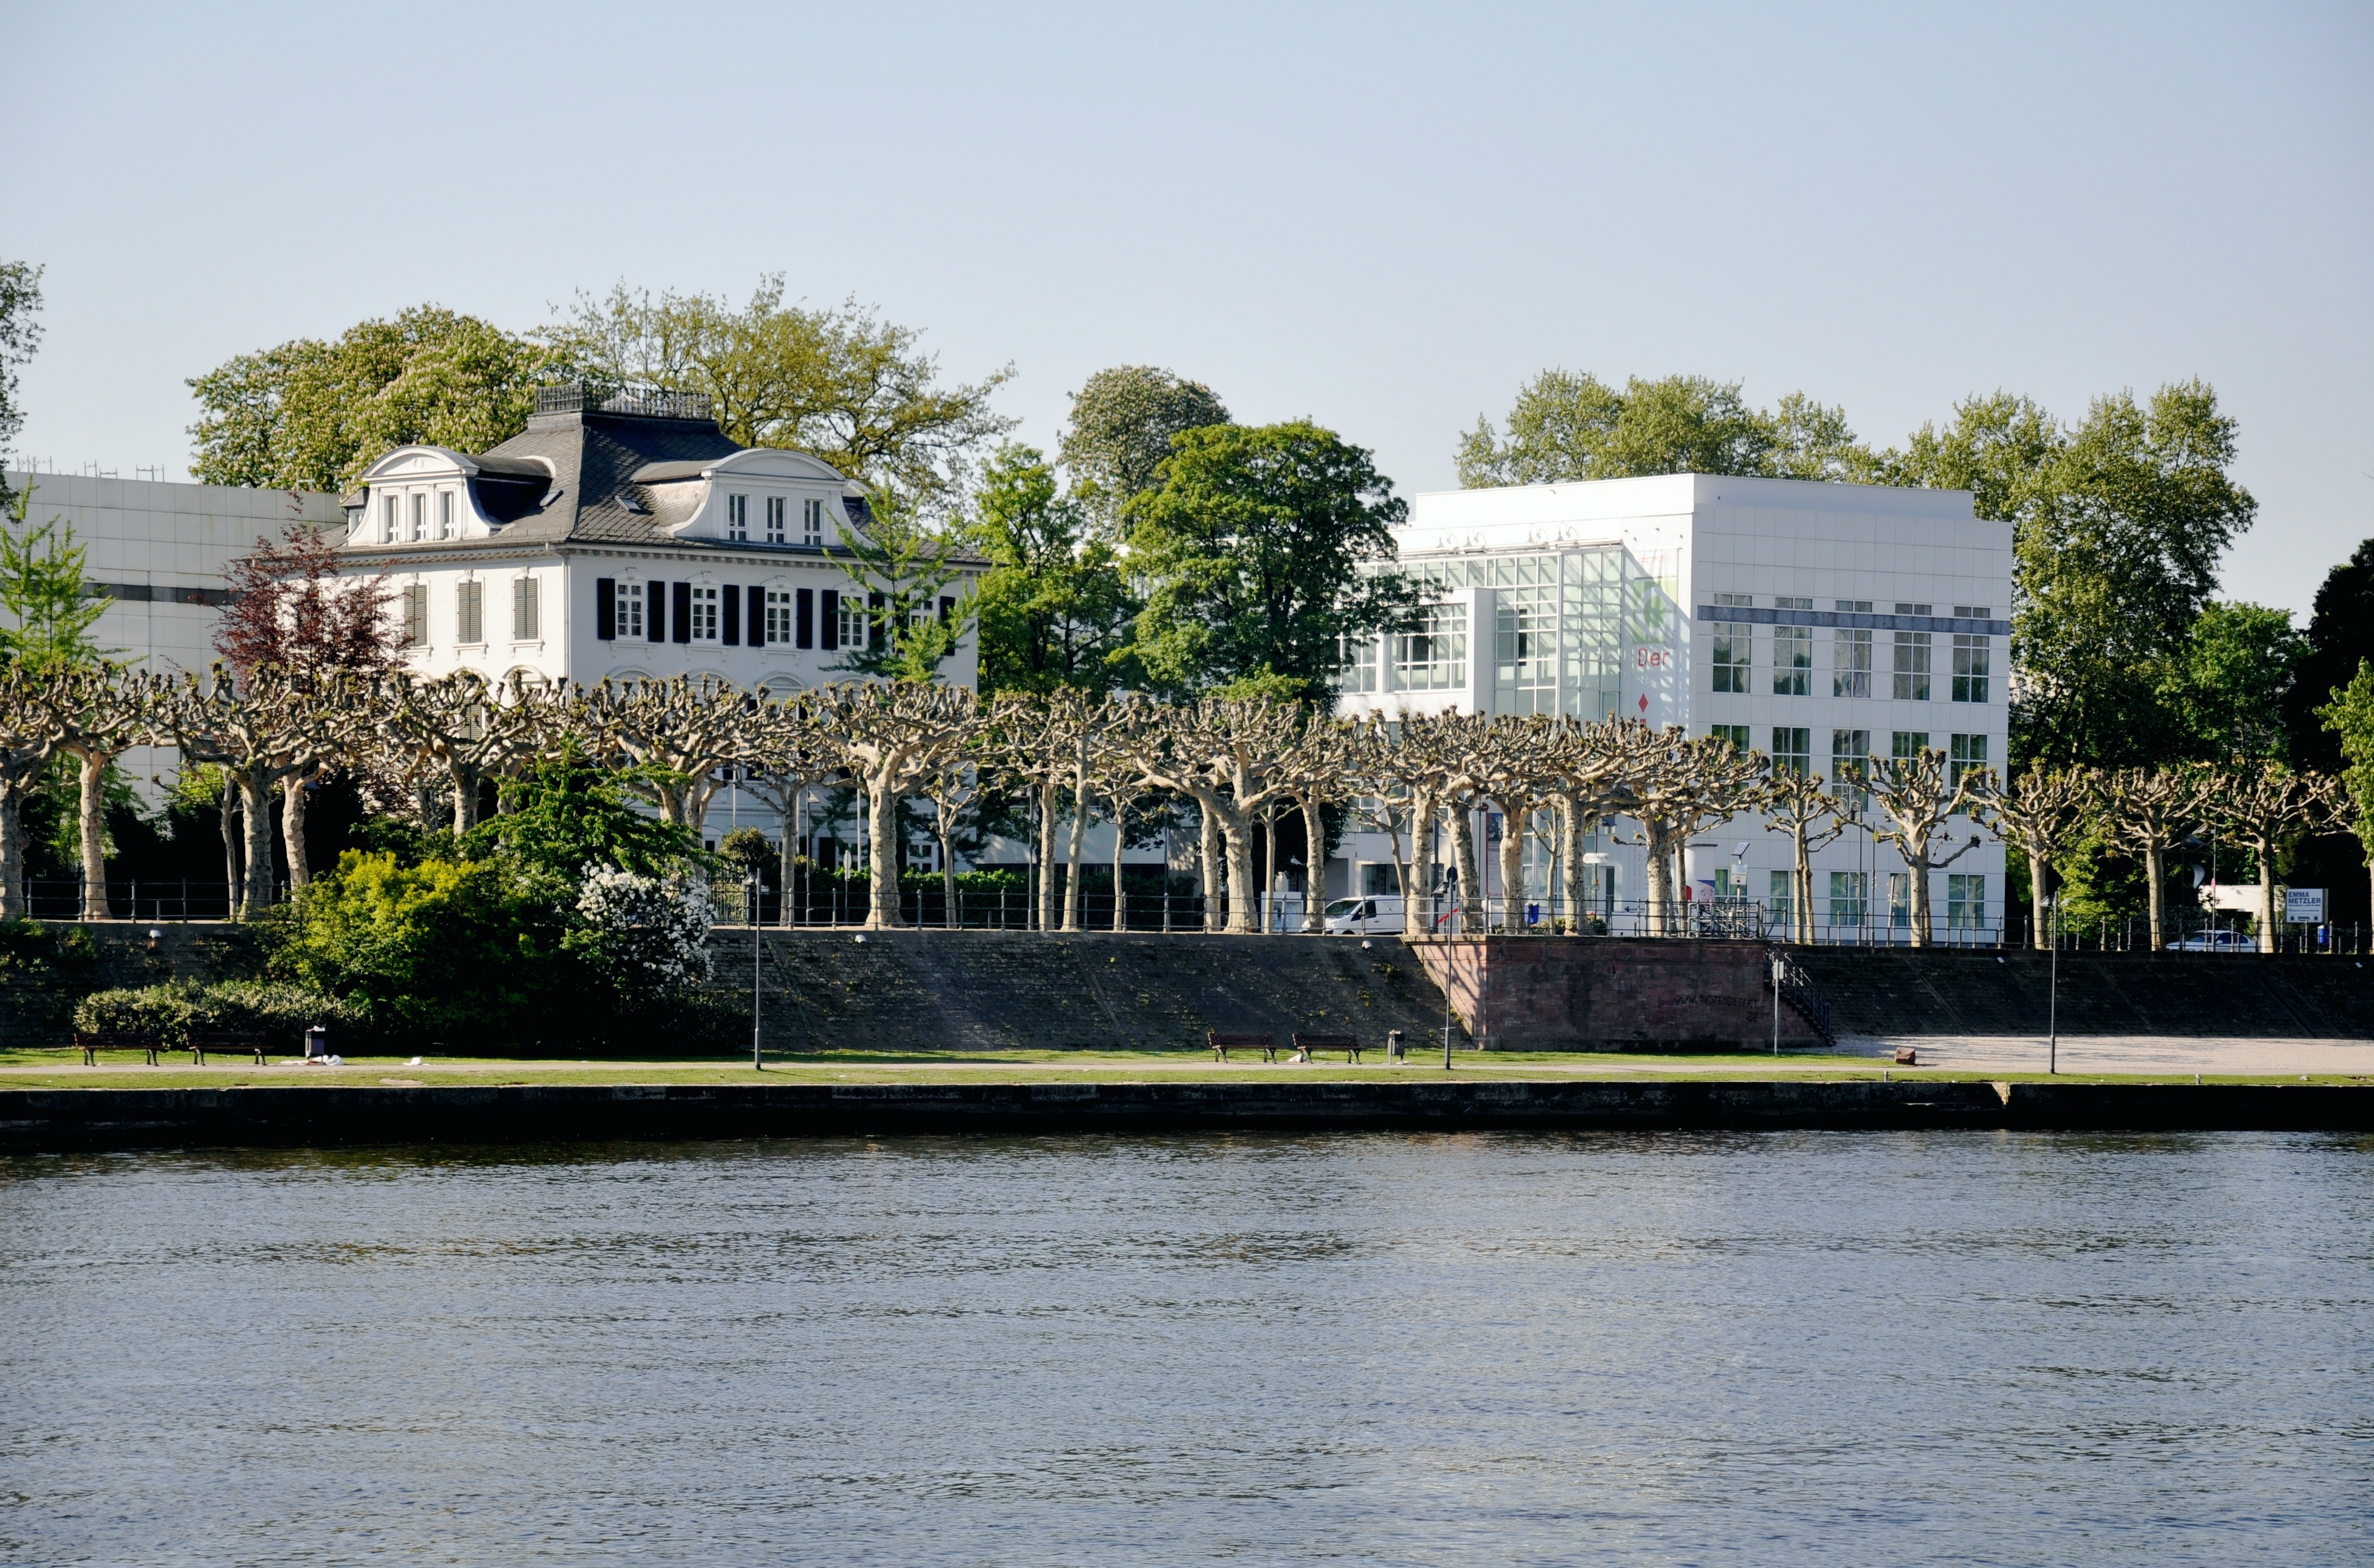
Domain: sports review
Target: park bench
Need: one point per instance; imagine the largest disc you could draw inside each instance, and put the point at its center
(1223, 1042)
(225, 1045)
(91, 1045)
(1305, 1044)
(1907, 1056)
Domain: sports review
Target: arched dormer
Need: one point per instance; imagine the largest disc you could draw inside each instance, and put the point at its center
(755, 495)
(423, 495)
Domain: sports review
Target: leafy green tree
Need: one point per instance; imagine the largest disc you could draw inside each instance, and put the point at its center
(1258, 553)
(2226, 688)
(312, 415)
(1567, 427)
(561, 814)
(1119, 433)
(2340, 639)
(20, 335)
(842, 384)
(41, 591)
(1054, 610)
(906, 566)
(2350, 718)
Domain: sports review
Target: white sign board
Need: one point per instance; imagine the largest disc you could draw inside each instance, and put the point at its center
(2304, 906)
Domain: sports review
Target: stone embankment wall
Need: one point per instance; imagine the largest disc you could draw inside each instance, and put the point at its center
(46, 969)
(1613, 993)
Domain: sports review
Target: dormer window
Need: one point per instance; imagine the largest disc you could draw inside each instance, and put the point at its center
(775, 505)
(387, 519)
(444, 514)
(812, 523)
(419, 517)
(738, 518)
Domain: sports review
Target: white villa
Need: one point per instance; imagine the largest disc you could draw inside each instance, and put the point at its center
(1816, 622)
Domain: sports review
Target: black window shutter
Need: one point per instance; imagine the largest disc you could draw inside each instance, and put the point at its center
(828, 610)
(729, 631)
(947, 609)
(655, 606)
(683, 611)
(758, 617)
(605, 608)
(806, 614)
(877, 611)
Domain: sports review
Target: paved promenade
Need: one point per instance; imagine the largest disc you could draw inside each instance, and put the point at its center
(2128, 1053)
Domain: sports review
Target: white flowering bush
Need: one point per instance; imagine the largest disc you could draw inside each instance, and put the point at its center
(649, 934)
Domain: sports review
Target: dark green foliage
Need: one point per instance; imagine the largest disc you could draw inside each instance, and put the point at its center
(2340, 637)
(281, 1013)
(562, 815)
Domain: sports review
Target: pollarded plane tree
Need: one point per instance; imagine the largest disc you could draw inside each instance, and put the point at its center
(890, 738)
(2043, 815)
(1395, 793)
(1676, 786)
(1039, 742)
(31, 729)
(1799, 802)
(1917, 804)
(785, 755)
(953, 788)
(2148, 812)
(1114, 778)
(468, 730)
(1319, 769)
(672, 736)
(1226, 756)
(263, 731)
(1516, 769)
(1458, 745)
(1585, 765)
(2264, 809)
(105, 710)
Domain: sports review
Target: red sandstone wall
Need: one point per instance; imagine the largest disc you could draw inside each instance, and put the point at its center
(1611, 993)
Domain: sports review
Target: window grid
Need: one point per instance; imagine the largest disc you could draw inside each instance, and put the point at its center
(704, 613)
(1850, 764)
(419, 517)
(775, 505)
(1966, 901)
(779, 617)
(1356, 664)
(630, 611)
(1851, 670)
(1732, 648)
(738, 519)
(1911, 667)
(1735, 733)
(1433, 655)
(1792, 749)
(1780, 901)
(1850, 897)
(387, 521)
(852, 621)
(444, 514)
(812, 523)
(1907, 743)
(1972, 657)
(1899, 900)
(1963, 754)
(1793, 660)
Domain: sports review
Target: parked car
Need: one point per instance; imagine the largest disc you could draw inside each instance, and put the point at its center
(2216, 942)
(1361, 916)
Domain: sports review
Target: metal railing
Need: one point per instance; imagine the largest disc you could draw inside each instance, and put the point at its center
(621, 397)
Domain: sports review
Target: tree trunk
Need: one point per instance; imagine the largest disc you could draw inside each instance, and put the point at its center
(1120, 842)
(292, 830)
(1315, 867)
(92, 771)
(2266, 898)
(791, 837)
(12, 849)
(2152, 875)
(1074, 846)
(1270, 877)
(1046, 854)
(1242, 904)
(1470, 881)
(882, 825)
(949, 915)
(1658, 843)
(231, 898)
(1570, 867)
(1513, 827)
(254, 803)
(2037, 869)
(1922, 936)
(1801, 919)
(1207, 847)
(1418, 878)
(465, 797)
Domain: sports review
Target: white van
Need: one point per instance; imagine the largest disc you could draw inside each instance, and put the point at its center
(1380, 912)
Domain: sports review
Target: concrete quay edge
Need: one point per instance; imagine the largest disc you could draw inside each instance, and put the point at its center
(57, 1120)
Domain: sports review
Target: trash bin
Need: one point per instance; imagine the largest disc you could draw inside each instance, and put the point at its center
(1396, 1045)
(317, 1042)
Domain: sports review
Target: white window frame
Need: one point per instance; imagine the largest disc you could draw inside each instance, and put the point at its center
(776, 507)
(781, 621)
(704, 613)
(419, 515)
(812, 521)
(738, 519)
(627, 610)
(444, 514)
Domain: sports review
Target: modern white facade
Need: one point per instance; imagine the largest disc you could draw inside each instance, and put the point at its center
(1817, 623)
(622, 536)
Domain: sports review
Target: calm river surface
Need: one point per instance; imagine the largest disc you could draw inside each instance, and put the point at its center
(1831, 1347)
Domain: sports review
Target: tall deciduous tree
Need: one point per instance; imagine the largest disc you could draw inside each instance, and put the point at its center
(1567, 425)
(2340, 641)
(842, 382)
(2043, 815)
(1123, 420)
(308, 414)
(1250, 556)
(20, 335)
(1053, 609)
(289, 607)
(2225, 687)
(2349, 717)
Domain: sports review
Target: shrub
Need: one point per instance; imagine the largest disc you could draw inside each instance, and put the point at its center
(279, 1012)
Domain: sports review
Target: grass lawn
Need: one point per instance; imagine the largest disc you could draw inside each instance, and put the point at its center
(64, 1070)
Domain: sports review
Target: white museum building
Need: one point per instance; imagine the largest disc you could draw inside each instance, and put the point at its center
(1818, 622)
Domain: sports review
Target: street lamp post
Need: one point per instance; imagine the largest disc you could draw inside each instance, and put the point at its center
(756, 1064)
(2052, 993)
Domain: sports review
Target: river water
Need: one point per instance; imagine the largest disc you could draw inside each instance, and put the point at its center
(1827, 1348)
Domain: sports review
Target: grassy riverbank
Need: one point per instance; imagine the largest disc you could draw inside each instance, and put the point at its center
(58, 1070)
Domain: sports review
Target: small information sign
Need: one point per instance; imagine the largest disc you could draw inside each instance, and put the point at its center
(2304, 906)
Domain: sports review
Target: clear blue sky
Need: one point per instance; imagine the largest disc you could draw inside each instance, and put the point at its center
(1384, 219)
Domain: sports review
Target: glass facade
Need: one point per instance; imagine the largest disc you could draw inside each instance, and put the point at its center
(1558, 626)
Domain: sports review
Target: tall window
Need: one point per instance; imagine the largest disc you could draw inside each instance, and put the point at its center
(468, 603)
(811, 521)
(630, 609)
(1780, 901)
(779, 617)
(1850, 754)
(1850, 674)
(419, 515)
(1972, 657)
(1907, 743)
(1357, 658)
(1911, 667)
(1966, 901)
(1850, 898)
(1899, 900)
(387, 534)
(1792, 750)
(738, 518)
(852, 621)
(524, 608)
(704, 613)
(416, 608)
(1793, 660)
(1735, 733)
(1731, 652)
(1433, 656)
(444, 514)
(1964, 752)
(775, 505)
